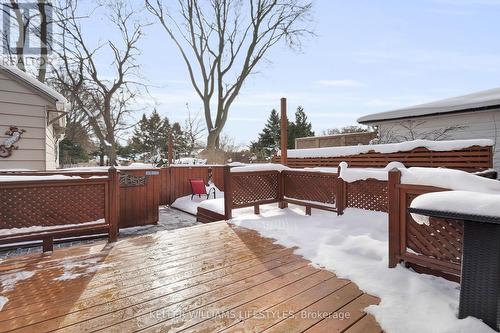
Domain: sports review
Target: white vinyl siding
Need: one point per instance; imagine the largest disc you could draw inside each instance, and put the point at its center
(23, 107)
(479, 125)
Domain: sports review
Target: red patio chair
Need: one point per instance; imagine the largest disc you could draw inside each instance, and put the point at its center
(198, 188)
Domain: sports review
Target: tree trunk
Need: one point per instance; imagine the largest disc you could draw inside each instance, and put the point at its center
(212, 140)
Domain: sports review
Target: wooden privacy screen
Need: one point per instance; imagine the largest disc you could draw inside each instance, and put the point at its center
(435, 248)
(175, 180)
(139, 197)
(470, 159)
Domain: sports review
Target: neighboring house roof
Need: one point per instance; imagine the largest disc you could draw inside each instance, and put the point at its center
(479, 101)
(37, 85)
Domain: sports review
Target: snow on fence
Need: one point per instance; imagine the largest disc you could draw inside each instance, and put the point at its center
(467, 155)
(44, 206)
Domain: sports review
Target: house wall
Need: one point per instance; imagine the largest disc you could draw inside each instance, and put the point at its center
(22, 107)
(478, 125)
(348, 139)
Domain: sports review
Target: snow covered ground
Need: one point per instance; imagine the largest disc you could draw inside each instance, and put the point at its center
(354, 246)
(191, 206)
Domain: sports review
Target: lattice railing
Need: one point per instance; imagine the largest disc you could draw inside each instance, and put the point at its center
(435, 248)
(316, 187)
(369, 194)
(253, 188)
(26, 204)
(442, 239)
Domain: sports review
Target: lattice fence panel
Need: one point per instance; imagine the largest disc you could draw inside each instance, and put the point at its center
(51, 205)
(309, 186)
(252, 188)
(370, 194)
(442, 239)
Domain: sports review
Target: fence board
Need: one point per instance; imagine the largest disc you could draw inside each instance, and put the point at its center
(471, 159)
(139, 203)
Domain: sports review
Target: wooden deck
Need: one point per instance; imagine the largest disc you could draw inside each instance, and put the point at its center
(207, 278)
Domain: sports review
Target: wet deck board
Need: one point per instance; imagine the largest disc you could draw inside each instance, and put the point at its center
(208, 278)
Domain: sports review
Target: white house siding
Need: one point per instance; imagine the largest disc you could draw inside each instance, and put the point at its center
(21, 107)
(51, 151)
(480, 125)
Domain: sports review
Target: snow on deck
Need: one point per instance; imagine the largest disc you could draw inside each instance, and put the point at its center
(354, 246)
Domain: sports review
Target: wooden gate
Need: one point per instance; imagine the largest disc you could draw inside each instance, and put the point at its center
(139, 197)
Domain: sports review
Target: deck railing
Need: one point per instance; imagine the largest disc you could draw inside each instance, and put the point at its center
(66, 206)
(435, 248)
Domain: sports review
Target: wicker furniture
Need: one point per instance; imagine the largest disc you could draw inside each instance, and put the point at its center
(480, 281)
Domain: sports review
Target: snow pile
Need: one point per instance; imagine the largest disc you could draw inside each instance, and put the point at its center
(138, 165)
(321, 169)
(8, 282)
(449, 179)
(216, 205)
(236, 164)
(190, 161)
(191, 206)
(38, 228)
(387, 148)
(462, 202)
(260, 167)
(353, 174)
(354, 246)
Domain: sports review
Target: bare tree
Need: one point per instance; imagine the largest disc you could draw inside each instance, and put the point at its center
(409, 130)
(193, 131)
(223, 41)
(103, 98)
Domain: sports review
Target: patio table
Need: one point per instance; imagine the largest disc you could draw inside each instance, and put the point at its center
(480, 282)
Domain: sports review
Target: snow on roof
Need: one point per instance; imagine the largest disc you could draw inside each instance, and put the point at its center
(481, 99)
(32, 81)
(387, 148)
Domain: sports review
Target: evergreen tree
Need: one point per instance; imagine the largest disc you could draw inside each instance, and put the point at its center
(300, 128)
(71, 152)
(269, 139)
(180, 141)
(150, 138)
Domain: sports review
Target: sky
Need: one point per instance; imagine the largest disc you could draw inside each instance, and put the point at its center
(368, 56)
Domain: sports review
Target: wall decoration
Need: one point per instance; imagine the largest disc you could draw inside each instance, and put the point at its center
(127, 180)
(7, 147)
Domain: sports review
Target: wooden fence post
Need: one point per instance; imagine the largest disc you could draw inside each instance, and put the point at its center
(170, 148)
(281, 191)
(340, 193)
(228, 193)
(114, 203)
(394, 223)
(284, 132)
